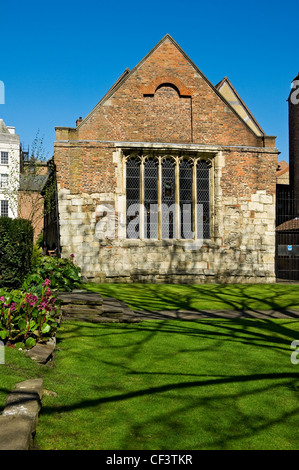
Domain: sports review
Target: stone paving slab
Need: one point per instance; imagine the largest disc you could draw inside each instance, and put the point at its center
(41, 353)
(15, 433)
(81, 298)
(70, 309)
(31, 385)
(19, 418)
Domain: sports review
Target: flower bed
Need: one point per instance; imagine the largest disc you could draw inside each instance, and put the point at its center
(26, 318)
(31, 315)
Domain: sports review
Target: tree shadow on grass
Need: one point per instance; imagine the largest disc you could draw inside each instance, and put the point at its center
(240, 297)
(166, 419)
(237, 426)
(277, 334)
(185, 392)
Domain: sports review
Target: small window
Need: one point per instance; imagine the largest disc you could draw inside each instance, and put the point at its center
(3, 180)
(4, 209)
(4, 158)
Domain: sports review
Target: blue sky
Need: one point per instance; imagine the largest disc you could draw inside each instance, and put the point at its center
(59, 58)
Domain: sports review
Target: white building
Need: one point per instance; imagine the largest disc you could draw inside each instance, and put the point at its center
(9, 170)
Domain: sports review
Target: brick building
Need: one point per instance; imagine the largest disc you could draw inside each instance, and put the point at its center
(9, 170)
(168, 179)
(33, 177)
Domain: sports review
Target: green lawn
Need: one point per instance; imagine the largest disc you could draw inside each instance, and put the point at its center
(210, 384)
(202, 297)
(16, 369)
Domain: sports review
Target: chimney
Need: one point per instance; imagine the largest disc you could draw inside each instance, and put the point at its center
(78, 121)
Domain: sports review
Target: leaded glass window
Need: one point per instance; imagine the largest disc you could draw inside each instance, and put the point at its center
(133, 197)
(203, 198)
(168, 198)
(171, 194)
(151, 199)
(186, 180)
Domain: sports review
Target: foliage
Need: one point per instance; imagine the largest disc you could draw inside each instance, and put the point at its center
(27, 318)
(36, 255)
(16, 244)
(40, 240)
(63, 274)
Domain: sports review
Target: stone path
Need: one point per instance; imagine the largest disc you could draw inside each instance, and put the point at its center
(18, 421)
(92, 307)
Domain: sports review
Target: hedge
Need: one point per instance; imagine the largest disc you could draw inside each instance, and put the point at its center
(16, 244)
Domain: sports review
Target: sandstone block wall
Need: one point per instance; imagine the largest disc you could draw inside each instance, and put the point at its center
(242, 246)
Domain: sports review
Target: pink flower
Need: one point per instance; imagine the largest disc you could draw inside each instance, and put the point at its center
(47, 282)
(2, 298)
(47, 293)
(31, 299)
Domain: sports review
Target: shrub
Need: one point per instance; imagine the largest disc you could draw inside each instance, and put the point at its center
(36, 256)
(27, 318)
(63, 274)
(16, 243)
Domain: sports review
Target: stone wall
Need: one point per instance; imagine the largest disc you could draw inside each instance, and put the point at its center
(242, 246)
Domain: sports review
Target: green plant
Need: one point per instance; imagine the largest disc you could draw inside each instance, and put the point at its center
(36, 256)
(16, 244)
(63, 274)
(40, 240)
(27, 318)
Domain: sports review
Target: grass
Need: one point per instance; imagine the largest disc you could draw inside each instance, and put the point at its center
(16, 369)
(209, 384)
(202, 297)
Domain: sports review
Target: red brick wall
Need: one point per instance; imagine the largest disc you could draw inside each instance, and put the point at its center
(85, 167)
(125, 115)
(31, 207)
(247, 172)
(167, 117)
(190, 111)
